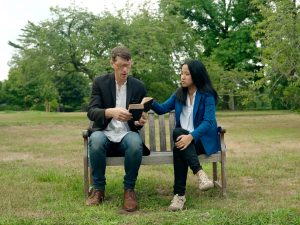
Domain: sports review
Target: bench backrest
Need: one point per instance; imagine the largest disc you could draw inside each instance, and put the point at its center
(162, 128)
(157, 132)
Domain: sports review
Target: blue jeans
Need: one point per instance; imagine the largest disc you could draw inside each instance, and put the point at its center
(131, 146)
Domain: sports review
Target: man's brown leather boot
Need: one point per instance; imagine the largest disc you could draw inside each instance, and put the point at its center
(95, 198)
(130, 202)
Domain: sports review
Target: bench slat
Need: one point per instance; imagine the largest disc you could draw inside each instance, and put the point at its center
(171, 127)
(152, 131)
(162, 133)
(142, 133)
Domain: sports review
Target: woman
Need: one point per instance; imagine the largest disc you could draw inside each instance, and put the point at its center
(196, 127)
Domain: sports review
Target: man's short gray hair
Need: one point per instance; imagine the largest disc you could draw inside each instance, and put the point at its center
(120, 51)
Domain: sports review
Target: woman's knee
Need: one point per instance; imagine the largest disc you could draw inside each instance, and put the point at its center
(179, 131)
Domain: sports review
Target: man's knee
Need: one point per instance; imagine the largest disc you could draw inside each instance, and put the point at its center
(134, 144)
(97, 141)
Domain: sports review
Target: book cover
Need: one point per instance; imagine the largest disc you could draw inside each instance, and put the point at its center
(137, 109)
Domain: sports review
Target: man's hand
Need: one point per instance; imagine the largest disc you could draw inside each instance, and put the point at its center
(120, 114)
(142, 120)
(183, 141)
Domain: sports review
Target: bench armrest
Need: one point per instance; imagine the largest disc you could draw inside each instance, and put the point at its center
(85, 133)
(222, 132)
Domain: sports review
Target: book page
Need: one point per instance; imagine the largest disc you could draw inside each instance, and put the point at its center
(146, 99)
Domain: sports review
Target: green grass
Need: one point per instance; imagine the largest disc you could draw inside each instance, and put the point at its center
(41, 177)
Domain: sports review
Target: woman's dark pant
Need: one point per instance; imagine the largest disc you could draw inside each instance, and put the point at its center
(182, 160)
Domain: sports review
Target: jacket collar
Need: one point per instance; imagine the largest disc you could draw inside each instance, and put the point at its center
(113, 87)
(198, 98)
(129, 90)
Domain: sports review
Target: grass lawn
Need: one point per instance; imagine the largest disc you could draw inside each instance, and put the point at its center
(41, 175)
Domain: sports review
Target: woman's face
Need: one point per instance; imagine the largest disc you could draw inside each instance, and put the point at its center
(186, 77)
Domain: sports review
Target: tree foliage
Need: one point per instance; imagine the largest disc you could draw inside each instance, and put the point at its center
(76, 44)
(58, 58)
(279, 35)
(224, 31)
(157, 42)
(224, 28)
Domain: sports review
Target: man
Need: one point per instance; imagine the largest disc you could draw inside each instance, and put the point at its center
(113, 132)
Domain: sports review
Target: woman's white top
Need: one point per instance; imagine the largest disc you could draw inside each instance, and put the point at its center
(186, 116)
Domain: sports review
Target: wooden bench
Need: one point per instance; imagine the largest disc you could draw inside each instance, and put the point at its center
(163, 155)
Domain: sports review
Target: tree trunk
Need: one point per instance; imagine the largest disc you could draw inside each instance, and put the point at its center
(47, 106)
(231, 102)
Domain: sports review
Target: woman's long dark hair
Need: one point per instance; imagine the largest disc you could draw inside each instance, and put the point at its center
(200, 79)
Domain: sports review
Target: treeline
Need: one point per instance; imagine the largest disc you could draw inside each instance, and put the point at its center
(251, 50)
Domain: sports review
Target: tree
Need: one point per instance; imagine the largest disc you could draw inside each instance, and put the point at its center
(223, 27)
(3, 96)
(75, 45)
(30, 83)
(64, 45)
(73, 88)
(158, 43)
(224, 32)
(279, 35)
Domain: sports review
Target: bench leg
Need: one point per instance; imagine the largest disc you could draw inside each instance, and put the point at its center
(85, 176)
(215, 171)
(223, 173)
(90, 178)
(85, 169)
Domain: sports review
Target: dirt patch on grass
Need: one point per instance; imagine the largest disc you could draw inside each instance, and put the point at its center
(40, 159)
(248, 182)
(13, 156)
(35, 214)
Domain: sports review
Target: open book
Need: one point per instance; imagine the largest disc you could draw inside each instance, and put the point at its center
(137, 109)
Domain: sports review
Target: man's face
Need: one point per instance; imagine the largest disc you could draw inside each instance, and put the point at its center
(121, 68)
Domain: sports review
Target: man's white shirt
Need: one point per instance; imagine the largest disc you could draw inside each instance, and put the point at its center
(116, 130)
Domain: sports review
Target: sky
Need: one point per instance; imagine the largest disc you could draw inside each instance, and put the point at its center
(14, 15)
